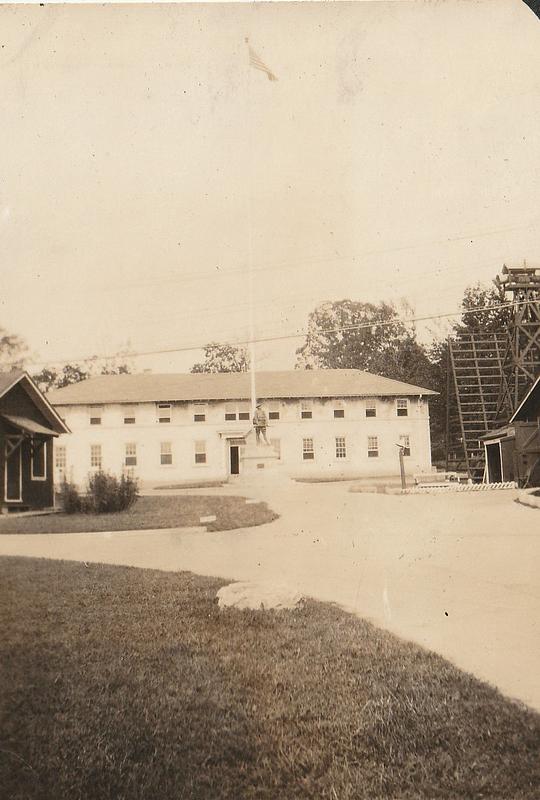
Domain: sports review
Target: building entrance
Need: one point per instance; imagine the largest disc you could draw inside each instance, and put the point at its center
(234, 459)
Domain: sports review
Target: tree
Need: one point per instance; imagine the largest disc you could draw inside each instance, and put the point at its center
(349, 334)
(51, 378)
(13, 351)
(223, 358)
(475, 318)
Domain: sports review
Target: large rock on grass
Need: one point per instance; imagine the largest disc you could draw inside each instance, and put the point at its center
(248, 594)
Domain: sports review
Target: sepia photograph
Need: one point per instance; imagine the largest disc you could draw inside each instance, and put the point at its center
(270, 400)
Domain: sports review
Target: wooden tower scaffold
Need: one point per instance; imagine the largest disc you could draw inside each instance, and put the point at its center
(489, 373)
(521, 362)
(473, 391)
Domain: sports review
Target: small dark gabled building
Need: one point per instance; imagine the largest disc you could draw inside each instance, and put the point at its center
(513, 452)
(28, 425)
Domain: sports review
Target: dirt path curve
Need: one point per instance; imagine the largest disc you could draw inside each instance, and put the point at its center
(456, 573)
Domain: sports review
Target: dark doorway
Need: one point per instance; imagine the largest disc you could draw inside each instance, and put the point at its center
(13, 474)
(235, 459)
(494, 463)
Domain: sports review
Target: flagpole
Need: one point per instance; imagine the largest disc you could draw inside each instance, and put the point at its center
(252, 355)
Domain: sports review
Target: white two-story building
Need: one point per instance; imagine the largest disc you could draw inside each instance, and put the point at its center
(173, 428)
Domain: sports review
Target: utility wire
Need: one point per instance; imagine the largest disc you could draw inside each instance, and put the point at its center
(172, 277)
(282, 337)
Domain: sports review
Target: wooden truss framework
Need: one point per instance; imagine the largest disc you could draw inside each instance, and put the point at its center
(473, 391)
(521, 363)
(490, 373)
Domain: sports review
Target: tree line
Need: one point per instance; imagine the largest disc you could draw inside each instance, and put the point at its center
(342, 334)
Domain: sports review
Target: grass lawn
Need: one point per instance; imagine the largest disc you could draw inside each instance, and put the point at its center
(177, 511)
(124, 684)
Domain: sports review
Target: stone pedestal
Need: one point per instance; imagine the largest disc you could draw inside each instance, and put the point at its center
(257, 457)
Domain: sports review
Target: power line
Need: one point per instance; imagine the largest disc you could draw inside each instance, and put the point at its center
(281, 337)
(172, 277)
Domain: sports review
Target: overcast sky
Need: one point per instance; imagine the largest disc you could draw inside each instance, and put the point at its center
(396, 156)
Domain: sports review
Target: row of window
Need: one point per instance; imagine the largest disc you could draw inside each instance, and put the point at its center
(241, 411)
(308, 448)
(130, 455)
(200, 456)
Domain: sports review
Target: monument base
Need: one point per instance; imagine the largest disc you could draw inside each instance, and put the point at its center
(256, 457)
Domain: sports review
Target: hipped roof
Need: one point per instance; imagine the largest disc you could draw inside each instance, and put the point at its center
(148, 387)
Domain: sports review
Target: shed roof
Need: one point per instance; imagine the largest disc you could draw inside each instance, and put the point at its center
(28, 425)
(148, 387)
(506, 432)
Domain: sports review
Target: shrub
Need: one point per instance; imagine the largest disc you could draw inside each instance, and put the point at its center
(104, 494)
(70, 498)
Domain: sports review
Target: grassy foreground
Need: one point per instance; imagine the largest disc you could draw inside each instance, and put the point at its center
(124, 684)
(176, 511)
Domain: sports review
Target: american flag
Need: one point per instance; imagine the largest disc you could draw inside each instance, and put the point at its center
(255, 61)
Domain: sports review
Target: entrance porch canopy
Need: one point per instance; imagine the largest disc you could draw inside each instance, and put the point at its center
(28, 426)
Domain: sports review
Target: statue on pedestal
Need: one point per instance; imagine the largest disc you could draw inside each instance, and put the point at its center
(260, 423)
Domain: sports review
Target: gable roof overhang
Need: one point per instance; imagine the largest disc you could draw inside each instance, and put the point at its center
(11, 379)
(527, 402)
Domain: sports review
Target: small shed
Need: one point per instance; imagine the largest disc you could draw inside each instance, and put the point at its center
(513, 452)
(28, 425)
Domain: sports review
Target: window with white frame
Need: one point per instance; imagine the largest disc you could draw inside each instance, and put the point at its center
(230, 412)
(200, 408)
(129, 415)
(371, 408)
(306, 409)
(60, 459)
(244, 411)
(96, 412)
(130, 458)
(341, 447)
(164, 411)
(273, 410)
(339, 409)
(402, 406)
(308, 453)
(405, 442)
(373, 446)
(39, 459)
(200, 452)
(96, 460)
(166, 453)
